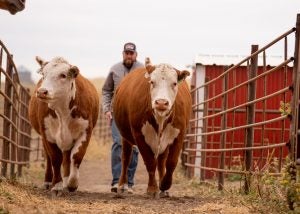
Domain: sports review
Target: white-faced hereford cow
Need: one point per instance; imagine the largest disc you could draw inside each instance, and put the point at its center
(152, 107)
(13, 6)
(64, 111)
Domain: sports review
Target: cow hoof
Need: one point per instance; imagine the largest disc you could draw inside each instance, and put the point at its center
(46, 185)
(154, 195)
(56, 193)
(72, 189)
(164, 194)
(120, 191)
(119, 195)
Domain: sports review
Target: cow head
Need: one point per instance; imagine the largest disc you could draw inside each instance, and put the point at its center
(13, 6)
(58, 81)
(164, 80)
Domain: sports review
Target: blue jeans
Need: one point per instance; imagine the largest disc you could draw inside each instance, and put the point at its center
(116, 158)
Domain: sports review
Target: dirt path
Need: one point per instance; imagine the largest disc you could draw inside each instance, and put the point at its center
(95, 175)
(94, 196)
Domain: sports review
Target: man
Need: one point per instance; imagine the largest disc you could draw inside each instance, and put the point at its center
(116, 74)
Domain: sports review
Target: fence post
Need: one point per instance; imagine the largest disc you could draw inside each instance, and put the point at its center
(223, 135)
(250, 117)
(293, 149)
(295, 141)
(7, 114)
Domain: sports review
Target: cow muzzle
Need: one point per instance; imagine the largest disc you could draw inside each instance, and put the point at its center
(42, 93)
(161, 105)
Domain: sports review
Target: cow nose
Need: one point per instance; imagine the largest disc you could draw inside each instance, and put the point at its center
(42, 92)
(161, 104)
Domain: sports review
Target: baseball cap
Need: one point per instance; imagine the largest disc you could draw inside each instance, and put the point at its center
(129, 46)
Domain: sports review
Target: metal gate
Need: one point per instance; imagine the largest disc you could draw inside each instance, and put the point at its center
(245, 116)
(14, 125)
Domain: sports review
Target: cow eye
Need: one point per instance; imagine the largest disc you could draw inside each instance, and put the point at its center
(62, 76)
(152, 83)
(174, 84)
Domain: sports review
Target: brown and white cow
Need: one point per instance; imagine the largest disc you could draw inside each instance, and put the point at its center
(13, 6)
(152, 107)
(64, 111)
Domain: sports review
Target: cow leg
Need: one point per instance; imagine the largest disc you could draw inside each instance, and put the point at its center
(48, 173)
(161, 164)
(162, 170)
(56, 160)
(150, 163)
(126, 158)
(171, 163)
(77, 154)
(66, 167)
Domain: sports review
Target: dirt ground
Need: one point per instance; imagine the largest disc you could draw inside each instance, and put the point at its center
(94, 196)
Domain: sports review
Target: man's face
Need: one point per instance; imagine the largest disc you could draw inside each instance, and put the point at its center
(129, 57)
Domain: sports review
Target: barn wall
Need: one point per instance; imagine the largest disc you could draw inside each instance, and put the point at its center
(273, 133)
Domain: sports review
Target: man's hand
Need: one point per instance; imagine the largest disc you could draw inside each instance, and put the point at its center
(108, 116)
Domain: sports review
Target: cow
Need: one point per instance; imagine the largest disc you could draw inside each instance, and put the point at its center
(152, 108)
(63, 110)
(13, 6)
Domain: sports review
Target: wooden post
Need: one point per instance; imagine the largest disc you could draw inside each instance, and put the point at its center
(250, 118)
(295, 96)
(294, 152)
(296, 146)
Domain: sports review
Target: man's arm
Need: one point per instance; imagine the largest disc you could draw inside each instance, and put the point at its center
(107, 94)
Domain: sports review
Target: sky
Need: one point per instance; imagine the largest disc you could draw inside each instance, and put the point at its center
(91, 33)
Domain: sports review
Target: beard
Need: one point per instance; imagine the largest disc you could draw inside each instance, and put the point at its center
(128, 63)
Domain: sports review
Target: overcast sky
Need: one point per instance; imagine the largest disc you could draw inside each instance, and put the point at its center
(91, 33)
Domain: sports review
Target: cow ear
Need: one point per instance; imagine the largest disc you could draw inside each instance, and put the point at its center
(73, 72)
(40, 61)
(150, 69)
(182, 75)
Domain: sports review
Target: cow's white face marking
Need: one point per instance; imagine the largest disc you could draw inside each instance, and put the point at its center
(163, 89)
(159, 144)
(57, 87)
